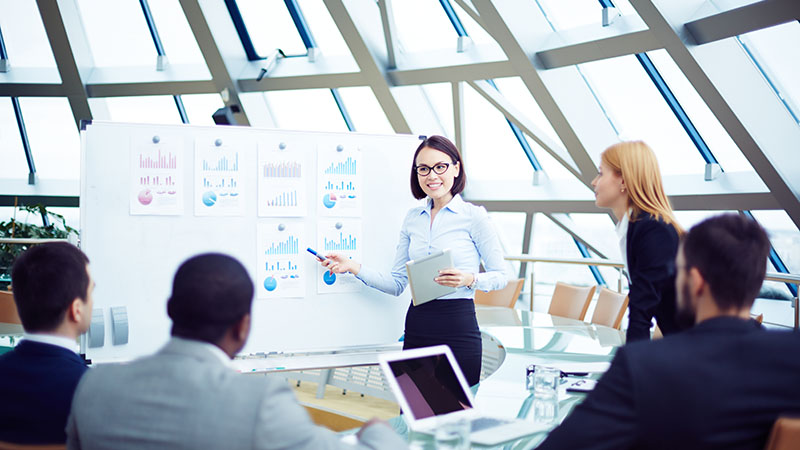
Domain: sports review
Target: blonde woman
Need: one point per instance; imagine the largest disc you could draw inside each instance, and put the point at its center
(629, 183)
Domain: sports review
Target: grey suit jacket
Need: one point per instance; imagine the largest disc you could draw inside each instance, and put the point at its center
(185, 397)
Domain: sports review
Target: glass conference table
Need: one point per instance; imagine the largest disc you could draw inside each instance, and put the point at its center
(532, 338)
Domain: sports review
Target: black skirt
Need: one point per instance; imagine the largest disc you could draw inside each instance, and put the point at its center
(451, 322)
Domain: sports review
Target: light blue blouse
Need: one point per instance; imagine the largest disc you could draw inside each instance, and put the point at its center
(460, 226)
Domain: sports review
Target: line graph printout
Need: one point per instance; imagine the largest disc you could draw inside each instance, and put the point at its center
(339, 181)
(282, 175)
(156, 184)
(218, 189)
(342, 236)
(281, 263)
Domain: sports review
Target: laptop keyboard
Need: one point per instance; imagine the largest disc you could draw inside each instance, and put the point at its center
(483, 423)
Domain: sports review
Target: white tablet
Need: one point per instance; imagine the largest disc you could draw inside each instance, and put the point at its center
(421, 273)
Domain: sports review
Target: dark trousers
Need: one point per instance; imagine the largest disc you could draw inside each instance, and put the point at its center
(451, 322)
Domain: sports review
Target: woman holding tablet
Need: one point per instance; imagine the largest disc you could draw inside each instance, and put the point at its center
(445, 222)
(629, 183)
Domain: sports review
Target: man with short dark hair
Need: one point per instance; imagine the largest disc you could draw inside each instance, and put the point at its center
(720, 384)
(53, 293)
(187, 395)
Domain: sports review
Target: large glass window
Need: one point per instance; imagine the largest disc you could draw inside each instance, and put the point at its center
(422, 25)
(638, 111)
(291, 112)
(54, 138)
(14, 165)
(776, 49)
(117, 33)
(145, 109)
(24, 35)
(719, 142)
(270, 27)
(200, 107)
(327, 35)
(364, 110)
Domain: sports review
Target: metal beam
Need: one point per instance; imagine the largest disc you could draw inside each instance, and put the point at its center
(585, 51)
(554, 148)
(64, 27)
(754, 118)
(224, 55)
(372, 65)
(459, 119)
(389, 33)
(514, 31)
(756, 16)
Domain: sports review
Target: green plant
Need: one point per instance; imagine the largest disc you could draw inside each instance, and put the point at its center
(13, 228)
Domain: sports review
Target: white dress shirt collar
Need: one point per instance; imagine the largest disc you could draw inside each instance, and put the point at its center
(456, 205)
(52, 339)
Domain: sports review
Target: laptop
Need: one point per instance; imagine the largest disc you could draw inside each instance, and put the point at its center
(431, 390)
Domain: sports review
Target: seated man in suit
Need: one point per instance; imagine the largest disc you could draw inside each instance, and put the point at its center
(187, 395)
(53, 293)
(720, 384)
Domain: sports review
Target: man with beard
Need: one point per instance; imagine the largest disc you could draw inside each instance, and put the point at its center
(720, 384)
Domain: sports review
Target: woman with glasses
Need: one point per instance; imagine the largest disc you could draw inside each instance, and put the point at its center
(629, 183)
(445, 222)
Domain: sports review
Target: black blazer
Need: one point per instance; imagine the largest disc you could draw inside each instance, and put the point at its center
(721, 384)
(651, 246)
(37, 382)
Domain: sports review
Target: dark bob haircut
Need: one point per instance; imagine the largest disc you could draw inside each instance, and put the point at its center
(730, 251)
(445, 146)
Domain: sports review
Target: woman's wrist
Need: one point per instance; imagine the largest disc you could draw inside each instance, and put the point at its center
(472, 283)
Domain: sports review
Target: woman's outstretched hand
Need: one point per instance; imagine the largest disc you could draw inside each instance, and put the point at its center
(454, 278)
(336, 263)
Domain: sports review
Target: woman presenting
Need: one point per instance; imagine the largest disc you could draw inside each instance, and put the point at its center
(445, 222)
(629, 183)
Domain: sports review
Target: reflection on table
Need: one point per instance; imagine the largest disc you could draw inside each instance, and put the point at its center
(533, 338)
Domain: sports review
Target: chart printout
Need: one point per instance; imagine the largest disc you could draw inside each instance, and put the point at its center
(342, 236)
(157, 186)
(218, 189)
(339, 181)
(281, 259)
(282, 175)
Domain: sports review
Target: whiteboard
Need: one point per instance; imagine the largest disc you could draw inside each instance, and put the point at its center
(134, 255)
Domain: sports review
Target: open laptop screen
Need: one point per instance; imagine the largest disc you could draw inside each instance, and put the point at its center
(429, 385)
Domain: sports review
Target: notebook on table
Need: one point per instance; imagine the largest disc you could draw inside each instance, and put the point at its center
(432, 390)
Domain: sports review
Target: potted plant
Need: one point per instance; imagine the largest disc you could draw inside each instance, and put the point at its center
(13, 228)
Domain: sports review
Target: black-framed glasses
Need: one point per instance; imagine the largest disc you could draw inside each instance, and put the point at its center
(438, 168)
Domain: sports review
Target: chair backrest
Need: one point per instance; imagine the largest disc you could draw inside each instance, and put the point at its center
(571, 301)
(785, 434)
(8, 309)
(502, 297)
(610, 308)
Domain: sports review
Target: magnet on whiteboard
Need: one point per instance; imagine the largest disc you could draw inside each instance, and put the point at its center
(281, 227)
(340, 148)
(339, 225)
(156, 139)
(218, 142)
(282, 145)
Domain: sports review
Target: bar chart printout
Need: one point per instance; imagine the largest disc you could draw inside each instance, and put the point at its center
(217, 175)
(342, 236)
(156, 183)
(282, 175)
(339, 186)
(281, 265)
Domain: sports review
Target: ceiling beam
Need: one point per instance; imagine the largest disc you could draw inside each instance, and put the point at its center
(756, 16)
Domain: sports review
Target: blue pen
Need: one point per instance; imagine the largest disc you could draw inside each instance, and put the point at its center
(321, 258)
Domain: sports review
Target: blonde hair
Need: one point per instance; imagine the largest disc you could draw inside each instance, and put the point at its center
(636, 163)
